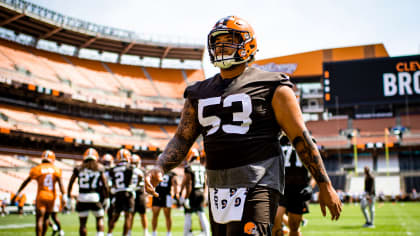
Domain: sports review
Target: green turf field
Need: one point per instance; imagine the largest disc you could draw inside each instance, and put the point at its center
(391, 219)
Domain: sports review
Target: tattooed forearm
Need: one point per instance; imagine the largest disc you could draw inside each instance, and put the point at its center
(186, 134)
(310, 157)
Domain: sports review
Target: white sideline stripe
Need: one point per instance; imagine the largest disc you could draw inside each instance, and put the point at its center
(351, 233)
(16, 226)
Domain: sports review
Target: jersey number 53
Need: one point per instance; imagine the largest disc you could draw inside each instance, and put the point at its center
(215, 121)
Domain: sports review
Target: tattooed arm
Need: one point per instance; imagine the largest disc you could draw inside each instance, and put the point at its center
(177, 148)
(290, 118)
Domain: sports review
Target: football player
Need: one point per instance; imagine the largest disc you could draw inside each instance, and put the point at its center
(122, 176)
(90, 177)
(166, 189)
(140, 199)
(297, 192)
(46, 175)
(107, 161)
(240, 112)
(194, 184)
(368, 198)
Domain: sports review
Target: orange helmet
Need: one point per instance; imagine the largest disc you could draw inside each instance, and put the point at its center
(245, 48)
(107, 159)
(123, 155)
(136, 159)
(90, 154)
(48, 155)
(193, 155)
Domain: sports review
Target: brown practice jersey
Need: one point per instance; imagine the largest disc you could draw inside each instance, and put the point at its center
(236, 117)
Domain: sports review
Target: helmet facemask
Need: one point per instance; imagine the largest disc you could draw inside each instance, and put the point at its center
(218, 51)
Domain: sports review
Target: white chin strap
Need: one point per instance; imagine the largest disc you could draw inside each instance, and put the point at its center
(225, 62)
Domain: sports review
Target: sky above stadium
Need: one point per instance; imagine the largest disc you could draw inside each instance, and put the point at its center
(282, 27)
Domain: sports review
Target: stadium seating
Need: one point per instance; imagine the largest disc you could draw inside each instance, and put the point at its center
(373, 126)
(132, 78)
(104, 83)
(327, 127)
(194, 75)
(169, 82)
(99, 132)
(23, 59)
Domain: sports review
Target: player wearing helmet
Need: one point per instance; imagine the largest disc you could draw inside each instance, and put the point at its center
(140, 198)
(107, 161)
(46, 175)
(90, 178)
(122, 176)
(240, 112)
(194, 185)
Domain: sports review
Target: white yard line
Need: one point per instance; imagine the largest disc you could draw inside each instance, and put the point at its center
(16, 226)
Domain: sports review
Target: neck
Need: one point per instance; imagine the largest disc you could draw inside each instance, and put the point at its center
(233, 71)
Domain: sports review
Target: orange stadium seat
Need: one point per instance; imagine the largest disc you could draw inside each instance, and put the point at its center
(169, 82)
(194, 75)
(22, 56)
(9, 161)
(373, 126)
(5, 61)
(122, 129)
(65, 69)
(412, 122)
(324, 128)
(153, 131)
(95, 72)
(133, 78)
(19, 114)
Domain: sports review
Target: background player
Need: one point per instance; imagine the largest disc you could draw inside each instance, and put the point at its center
(46, 175)
(107, 161)
(368, 199)
(140, 199)
(90, 175)
(194, 185)
(166, 189)
(297, 191)
(121, 175)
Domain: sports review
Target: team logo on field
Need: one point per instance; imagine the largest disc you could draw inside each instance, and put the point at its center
(250, 228)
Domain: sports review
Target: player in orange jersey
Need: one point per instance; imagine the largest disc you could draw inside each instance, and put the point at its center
(46, 175)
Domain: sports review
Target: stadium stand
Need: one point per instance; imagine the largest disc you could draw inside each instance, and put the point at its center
(169, 82)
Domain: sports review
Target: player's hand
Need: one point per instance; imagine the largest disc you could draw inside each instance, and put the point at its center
(68, 205)
(187, 204)
(65, 200)
(106, 203)
(152, 179)
(328, 197)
